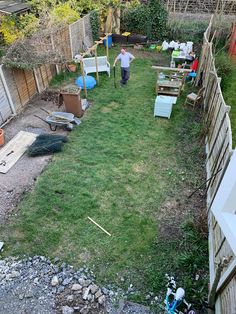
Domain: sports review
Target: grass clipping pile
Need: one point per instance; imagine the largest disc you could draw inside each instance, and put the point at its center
(46, 144)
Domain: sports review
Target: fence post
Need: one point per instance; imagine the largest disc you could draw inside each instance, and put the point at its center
(37, 80)
(53, 47)
(71, 44)
(7, 90)
(84, 33)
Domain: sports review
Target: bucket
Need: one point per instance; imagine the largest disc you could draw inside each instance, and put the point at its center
(2, 139)
(109, 41)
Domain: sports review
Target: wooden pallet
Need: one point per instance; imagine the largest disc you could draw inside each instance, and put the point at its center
(14, 149)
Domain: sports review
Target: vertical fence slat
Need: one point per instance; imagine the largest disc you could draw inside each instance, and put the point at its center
(219, 151)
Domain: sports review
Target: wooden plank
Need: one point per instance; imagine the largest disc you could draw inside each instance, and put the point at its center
(99, 226)
(155, 67)
(14, 149)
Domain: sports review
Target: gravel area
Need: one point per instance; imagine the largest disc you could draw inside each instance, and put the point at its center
(22, 176)
(38, 286)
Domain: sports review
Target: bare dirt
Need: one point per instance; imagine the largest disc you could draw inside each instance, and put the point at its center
(22, 176)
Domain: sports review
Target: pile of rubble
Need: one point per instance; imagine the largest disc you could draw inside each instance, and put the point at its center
(36, 285)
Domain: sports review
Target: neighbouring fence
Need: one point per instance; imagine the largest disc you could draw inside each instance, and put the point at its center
(6, 109)
(18, 86)
(201, 6)
(81, 35)
(219, 151)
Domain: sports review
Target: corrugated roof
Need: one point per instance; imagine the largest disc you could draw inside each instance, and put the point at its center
(10, 7)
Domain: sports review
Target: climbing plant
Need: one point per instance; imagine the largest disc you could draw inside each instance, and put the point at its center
(95, 24)
(148, 19)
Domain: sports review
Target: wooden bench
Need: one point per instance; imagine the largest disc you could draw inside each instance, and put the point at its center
(90, 65)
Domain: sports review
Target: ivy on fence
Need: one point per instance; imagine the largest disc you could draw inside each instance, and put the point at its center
(95, 24)
(148, 19)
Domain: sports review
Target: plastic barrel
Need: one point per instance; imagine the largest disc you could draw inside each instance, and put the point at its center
(109, 41)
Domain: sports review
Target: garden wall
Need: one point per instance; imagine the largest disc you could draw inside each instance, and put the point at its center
(24, 84)
(219, 152)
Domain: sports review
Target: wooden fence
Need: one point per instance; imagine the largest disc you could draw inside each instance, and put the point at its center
(218, 155)
(22, 85)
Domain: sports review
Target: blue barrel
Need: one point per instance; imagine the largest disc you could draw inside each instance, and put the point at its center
(109, 41)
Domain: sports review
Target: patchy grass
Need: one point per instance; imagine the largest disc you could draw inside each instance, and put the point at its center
(226, 69)
(229, 92)
(131, 173)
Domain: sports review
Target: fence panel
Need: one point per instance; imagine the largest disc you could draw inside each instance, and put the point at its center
(5, 108)
(61, 42)
(43, 76)
(81, 35)
(25, 85)
(219, 151)
(228, 297)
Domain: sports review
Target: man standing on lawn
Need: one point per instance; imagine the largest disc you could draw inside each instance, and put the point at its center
(125, 58)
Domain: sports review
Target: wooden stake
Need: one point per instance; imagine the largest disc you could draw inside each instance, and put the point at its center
(99, 226)
(96, 62)
(107, 46)
(186, 7)
(82, 71)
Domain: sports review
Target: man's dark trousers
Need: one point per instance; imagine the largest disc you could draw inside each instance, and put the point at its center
(125, 74)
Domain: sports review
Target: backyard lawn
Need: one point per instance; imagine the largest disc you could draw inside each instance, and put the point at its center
(229, 92)
(132, 174)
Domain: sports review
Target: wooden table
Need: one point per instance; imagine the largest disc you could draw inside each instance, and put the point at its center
(180, 73)
(166, 87)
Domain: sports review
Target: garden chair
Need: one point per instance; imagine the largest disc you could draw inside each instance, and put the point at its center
(193, 99)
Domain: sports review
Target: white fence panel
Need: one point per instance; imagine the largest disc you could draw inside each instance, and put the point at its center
(5, 108)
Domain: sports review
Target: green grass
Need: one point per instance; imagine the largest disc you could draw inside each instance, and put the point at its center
(120, 167)
(229, 92)
(226, 69)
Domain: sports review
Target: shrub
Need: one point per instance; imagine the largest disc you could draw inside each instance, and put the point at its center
(224, 67)
(148, 19)
(186, 30)
(94, 21)
(9, 30)
(63, 13)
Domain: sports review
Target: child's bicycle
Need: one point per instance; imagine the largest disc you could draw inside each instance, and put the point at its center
(174, 300)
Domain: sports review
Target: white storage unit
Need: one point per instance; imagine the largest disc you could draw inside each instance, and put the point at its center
(163, 106)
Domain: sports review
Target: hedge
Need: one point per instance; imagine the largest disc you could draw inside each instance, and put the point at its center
(147, 19)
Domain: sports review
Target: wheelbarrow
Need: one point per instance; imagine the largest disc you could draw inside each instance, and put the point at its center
(58, 119)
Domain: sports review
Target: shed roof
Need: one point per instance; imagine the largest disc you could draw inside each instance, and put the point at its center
(13, 6)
